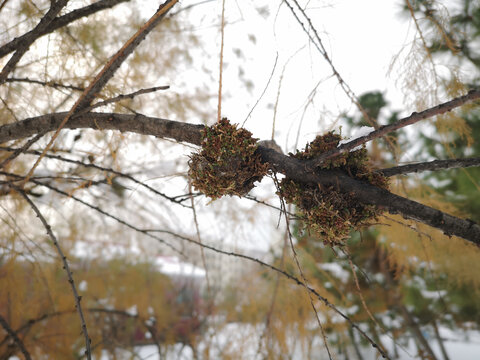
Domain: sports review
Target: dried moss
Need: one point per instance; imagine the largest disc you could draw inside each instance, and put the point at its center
(227, 163)
(326, 212)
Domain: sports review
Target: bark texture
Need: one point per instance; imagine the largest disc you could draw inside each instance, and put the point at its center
(293, 168)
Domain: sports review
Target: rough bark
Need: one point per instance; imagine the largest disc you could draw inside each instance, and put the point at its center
(292, 168)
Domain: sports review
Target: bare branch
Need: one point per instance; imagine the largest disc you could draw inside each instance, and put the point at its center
(123, 97)
(295, 169)
(369, 194)
(114, 63)
(15, 338)
(63, 258)
(136, 123)
(52, 84)
(32, 35)
(61, 22)
(101, 168)
(430, 166)
(107, 73)
(409, 120)
(20, 150)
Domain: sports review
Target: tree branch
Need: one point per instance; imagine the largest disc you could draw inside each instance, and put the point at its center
(430, 166)
(66, 267)
(60, 22)
(30, 38)
(409, 120)
(295, 169)
(15, 338)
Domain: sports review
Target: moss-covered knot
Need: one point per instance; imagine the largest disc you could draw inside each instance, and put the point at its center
(227, 163)
(325, 211)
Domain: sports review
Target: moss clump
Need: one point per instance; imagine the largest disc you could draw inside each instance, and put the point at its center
(324, 211)
(227, 164)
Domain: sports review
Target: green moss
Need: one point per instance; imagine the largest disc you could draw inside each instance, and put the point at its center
(324, 211)
(227, 163)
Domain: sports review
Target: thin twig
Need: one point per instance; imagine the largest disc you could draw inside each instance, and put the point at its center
(52, 84)
(321, 48)
(222, 29)
(304, 282)
(63, 258)
(290, 277)
(121, 97)
(202, 253)
(101, 168)
(263, 92)
(430, 166)
(30, 38)
(20, 150)
(106, 74)
(98, 209)
(409, 120)
(60, 22)
(15, 338)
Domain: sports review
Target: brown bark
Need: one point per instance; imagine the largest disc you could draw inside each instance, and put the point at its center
(292, 168)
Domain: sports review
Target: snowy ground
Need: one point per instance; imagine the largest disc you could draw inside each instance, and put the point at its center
(241, 342)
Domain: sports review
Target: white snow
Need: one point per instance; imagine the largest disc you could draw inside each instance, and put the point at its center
(357, 133)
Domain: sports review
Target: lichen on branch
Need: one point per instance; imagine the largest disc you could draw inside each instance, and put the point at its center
(325, 211)
(227, 163)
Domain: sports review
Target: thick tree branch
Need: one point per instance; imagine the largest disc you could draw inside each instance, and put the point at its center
(430, 166)
(409, 120)
(295, 169)
(60, 22)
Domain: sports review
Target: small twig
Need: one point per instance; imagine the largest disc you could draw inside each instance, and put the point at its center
(263, 92)
(98, 209)
(52, 84)
(409, 120)
(15, 338)
(106, 74)
(290, 277)
(30, 38)
(121, 97)
(430, 166)
(202, 253)
(105, 169)
(60, 22)
(222, 29)
(20, 150)
(65, 266)
(304, 279)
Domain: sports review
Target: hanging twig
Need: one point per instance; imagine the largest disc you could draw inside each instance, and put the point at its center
(66, 267)
(295, 257)
(220, 75)
(294, 279)
(98, 209)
